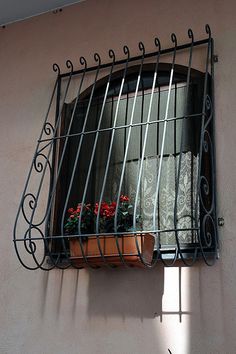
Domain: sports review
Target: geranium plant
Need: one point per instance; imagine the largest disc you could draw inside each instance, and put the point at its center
(106, 217)
(87, 221)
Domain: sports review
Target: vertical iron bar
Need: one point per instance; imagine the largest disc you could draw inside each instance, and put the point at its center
(158, 240)
(47, 226)
(97, 59)
(67, 138)
(156, 200)
(126, 120)
(141, 47)
(142, 114)
(214, 182)
(192, 169)
(53, 190)
(126, 51)
(111, 54)
(190, 34)
(175, 142)
(143, 154)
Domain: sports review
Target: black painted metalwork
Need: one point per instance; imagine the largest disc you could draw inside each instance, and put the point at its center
(36, 242)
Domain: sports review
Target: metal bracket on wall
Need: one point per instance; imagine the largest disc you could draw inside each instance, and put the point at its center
(221, 221)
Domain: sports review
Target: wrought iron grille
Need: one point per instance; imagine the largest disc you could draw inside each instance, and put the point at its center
(128, 148)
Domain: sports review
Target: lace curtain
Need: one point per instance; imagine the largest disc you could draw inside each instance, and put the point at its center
(186, 201)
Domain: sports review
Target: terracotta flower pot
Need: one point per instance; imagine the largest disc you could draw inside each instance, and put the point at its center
(127, 245)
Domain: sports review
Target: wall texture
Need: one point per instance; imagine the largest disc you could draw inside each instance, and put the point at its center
(188, 310)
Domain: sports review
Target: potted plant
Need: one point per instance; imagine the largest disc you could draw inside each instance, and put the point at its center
(106, 242)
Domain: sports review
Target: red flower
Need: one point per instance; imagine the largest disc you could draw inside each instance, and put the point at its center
(124, 198)
(112, 209)
(72, 216)
(71, 211)
(106, 210)
(96, 209)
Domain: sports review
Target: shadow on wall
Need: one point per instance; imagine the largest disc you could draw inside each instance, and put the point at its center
(160, 292)
(188, 301)
(126, 292)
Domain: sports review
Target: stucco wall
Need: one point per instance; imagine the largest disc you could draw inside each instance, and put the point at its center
(123, 311)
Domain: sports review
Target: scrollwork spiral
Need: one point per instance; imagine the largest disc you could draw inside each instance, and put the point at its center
(208, 110)
(206, 183)
(48, 129)
(208, 231)
(39, 165)
(31, 243)
(31, 203)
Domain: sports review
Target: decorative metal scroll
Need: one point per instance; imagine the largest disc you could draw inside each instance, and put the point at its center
(161, 199)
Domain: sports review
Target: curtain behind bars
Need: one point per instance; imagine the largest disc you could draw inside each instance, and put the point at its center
(167, 192)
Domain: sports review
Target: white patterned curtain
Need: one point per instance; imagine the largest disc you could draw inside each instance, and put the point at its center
(186, 201)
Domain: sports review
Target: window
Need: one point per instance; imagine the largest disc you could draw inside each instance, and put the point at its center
(132, 157)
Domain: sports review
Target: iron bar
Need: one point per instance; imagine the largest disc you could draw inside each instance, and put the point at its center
(157, 42)
(190, 34)
(142, 49)
(124, 127)
(174, 40)
(126, 51)
(112, 55)
(118, 233)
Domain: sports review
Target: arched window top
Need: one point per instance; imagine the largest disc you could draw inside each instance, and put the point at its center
(163, 78)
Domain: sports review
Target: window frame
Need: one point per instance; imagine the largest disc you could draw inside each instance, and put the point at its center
(197, 80)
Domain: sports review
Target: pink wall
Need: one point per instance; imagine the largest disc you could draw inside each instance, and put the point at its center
(105, 311)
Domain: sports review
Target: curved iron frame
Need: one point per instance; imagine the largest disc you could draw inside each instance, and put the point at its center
(206, 233)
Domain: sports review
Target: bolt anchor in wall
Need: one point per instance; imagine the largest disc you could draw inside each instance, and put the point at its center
(221, 221)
